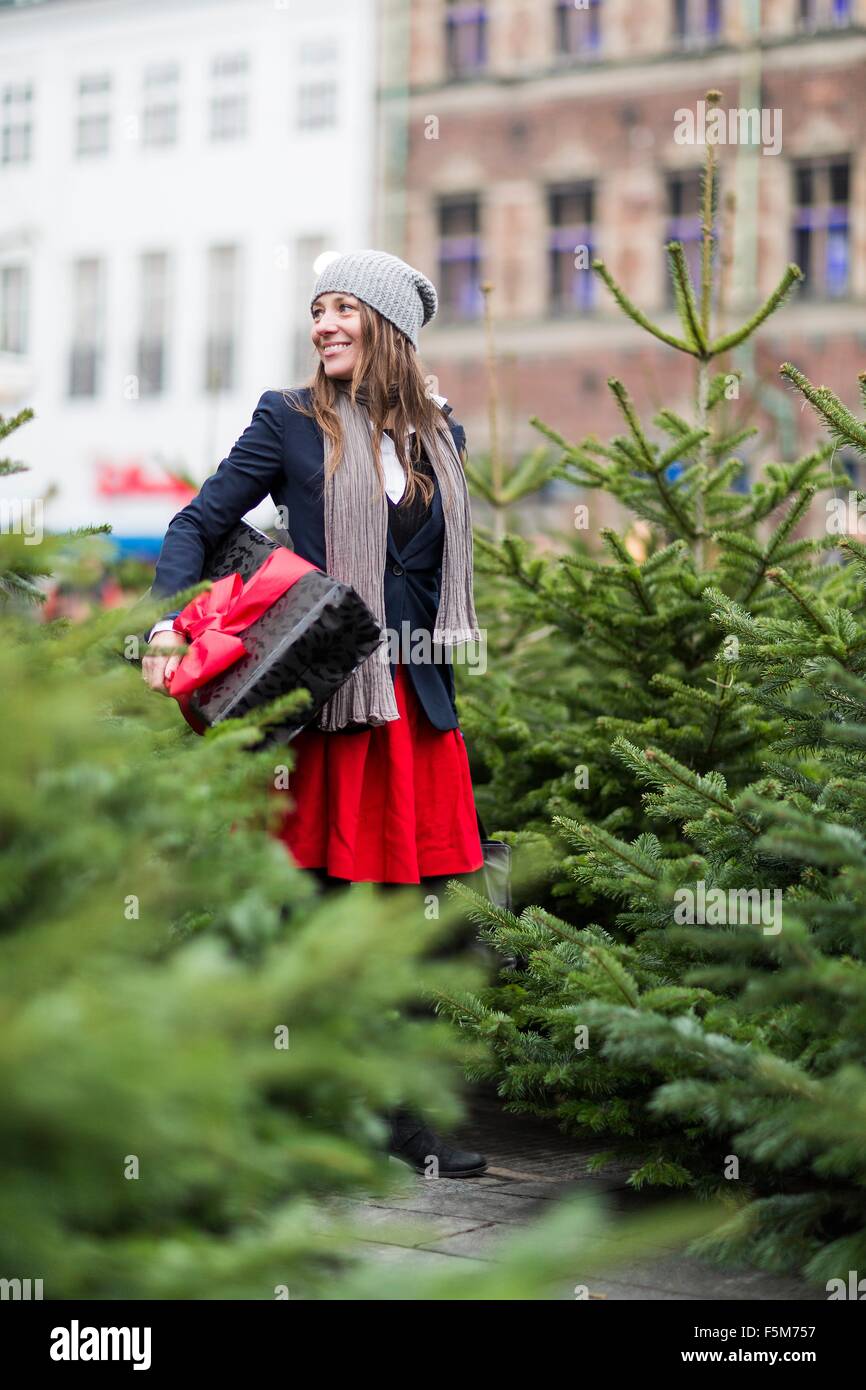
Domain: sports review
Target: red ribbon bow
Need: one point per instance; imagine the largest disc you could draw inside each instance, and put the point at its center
(213, 618)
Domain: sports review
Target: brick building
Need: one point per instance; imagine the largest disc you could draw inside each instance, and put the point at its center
(514, 131)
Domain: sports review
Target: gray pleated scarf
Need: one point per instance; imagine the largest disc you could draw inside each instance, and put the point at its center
(356, 527)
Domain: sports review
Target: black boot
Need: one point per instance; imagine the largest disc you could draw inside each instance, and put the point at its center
(414, 1143)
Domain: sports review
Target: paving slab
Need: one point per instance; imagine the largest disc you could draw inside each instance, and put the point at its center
(482, 1242)
(413, 1258)
(599, 1289)
(447, 1198)
(694, 1278)
(389, 1227)
(531, 1167)
(556, 1189)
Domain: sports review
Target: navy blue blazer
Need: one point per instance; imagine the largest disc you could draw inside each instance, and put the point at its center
(281, 453)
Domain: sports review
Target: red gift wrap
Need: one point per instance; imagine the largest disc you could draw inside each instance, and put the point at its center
(214, 617)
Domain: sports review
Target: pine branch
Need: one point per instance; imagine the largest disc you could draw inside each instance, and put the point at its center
(665, 492)
(775, 300)
(684, 297)
(682, 448)
(635, 314)
(14, 422)
(619, 978)
(841, 423)
(804, 601)
(595, 837)
(707, 190)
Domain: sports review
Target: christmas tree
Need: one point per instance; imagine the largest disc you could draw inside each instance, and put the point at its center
(196, 1043)
(678, 764)
(198, 1047)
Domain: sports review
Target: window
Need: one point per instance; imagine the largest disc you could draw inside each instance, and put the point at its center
(160, 113)
(821, 230)
(823, 14)
(684, 224)
(697, 23)
(93, 119)
(14, 307)
(223, 299)
(571, 247)
(465, 39)
(229, 96)
(460, 258)
(319, 50)
(317, 105)
(16, 143)
(578, 28)
(154, 291)
(307, 249)
(87, 350)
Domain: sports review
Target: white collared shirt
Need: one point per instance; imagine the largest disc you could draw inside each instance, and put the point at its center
(395, 478)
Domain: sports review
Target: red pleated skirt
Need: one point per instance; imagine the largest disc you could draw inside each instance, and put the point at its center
(389, 804)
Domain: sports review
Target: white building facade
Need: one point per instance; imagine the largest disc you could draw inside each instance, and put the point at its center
(169, 174)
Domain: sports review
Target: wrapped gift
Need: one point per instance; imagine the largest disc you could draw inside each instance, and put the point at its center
(270, 623)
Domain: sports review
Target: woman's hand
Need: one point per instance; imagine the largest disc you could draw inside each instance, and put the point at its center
(160, 665)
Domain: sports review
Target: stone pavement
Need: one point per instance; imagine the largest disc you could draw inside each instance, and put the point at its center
(530, 1166)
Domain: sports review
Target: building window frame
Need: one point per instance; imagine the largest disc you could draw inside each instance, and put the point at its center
(577, 30)
(222, 331)
(821, 225)
(571, 289)
(87, 347)
(151, 346)
(317, 105)
(15, 289)
(460, 258)
(466, 39)
(93, 117)
(816, 15)
(696, 24)
(228, 106)
(16, 130)
(160, 114)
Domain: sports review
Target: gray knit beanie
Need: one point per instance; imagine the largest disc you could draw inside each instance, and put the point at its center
(399, 293)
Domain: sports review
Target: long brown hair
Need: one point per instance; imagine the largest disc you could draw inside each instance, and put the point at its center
(389, 370)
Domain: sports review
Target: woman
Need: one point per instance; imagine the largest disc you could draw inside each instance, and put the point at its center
(367, 466)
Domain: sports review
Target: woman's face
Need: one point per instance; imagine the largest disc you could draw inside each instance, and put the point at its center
(336, 332)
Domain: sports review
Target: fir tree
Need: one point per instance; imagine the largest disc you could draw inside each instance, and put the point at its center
(697, 729)
(197, 1046)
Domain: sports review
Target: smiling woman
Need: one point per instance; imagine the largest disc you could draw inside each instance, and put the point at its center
(380, 790)
(388, 798)
(389, 543)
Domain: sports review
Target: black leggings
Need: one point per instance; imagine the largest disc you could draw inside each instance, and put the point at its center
(455, 945)
(431, 884)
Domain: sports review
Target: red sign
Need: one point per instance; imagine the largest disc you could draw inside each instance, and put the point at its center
(132, 479)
